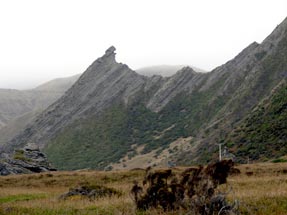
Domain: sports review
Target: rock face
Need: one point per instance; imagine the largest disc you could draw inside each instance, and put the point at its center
(111, 106)
(184, 80)
(27, 160)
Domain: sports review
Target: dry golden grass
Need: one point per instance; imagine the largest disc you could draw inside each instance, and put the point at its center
(260, 189)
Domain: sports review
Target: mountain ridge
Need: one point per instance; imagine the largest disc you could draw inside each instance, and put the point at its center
(111, 106)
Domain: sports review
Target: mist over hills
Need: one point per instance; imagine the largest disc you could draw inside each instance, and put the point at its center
(112, 114)
(164, 70)
(15, 103)
(20, 107)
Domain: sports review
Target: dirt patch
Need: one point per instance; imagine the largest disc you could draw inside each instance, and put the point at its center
(153, 158)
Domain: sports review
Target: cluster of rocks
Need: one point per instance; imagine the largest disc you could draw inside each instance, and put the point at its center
(91, 192)
(27, 160)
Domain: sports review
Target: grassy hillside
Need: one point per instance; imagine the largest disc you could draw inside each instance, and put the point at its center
(263, 134)
(39, 193)
(91, 143)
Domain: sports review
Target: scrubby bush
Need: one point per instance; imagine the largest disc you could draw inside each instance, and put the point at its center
(195, 190)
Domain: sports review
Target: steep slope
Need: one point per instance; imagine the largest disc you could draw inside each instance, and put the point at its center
(263, 133)
(250, 77)
(104, 83)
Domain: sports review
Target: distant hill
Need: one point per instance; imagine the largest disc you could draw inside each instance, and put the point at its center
(164, 70)
(58, 85)
(14, 126)
(20, 107)
(15, 103)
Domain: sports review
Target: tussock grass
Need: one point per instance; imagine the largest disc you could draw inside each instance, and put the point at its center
(263, 192)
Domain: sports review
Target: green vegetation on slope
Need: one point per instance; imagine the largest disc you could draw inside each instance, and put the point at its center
(268, 72)
(272, 69)
(91, 143)
(98, 141)
(263, 134)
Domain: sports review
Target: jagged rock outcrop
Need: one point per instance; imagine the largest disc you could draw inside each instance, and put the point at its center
(184, 80)
(27, 160)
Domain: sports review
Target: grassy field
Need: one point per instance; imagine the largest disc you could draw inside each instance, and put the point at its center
(259, 189)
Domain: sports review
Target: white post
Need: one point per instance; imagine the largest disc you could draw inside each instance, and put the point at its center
(219, 145)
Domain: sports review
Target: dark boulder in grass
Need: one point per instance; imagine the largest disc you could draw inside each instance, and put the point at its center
(92, 192)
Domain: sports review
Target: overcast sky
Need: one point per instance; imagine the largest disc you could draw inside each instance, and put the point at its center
(45, 39)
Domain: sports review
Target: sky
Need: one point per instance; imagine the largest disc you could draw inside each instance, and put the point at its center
(45, 39)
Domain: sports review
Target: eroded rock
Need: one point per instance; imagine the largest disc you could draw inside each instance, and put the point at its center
(27, 160)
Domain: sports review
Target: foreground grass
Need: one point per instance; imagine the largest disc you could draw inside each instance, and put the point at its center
(259, 189)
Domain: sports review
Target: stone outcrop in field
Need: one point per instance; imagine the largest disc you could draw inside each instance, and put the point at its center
(27, 160)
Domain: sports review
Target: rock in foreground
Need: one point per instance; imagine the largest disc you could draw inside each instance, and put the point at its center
(27, 160)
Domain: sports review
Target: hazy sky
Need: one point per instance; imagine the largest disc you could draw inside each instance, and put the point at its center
(45, 39)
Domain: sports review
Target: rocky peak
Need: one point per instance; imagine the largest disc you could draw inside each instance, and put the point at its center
(108, 57)
(110, 51)
(107, 61)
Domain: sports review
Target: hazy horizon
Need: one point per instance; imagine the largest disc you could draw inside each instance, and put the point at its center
(41, 41)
